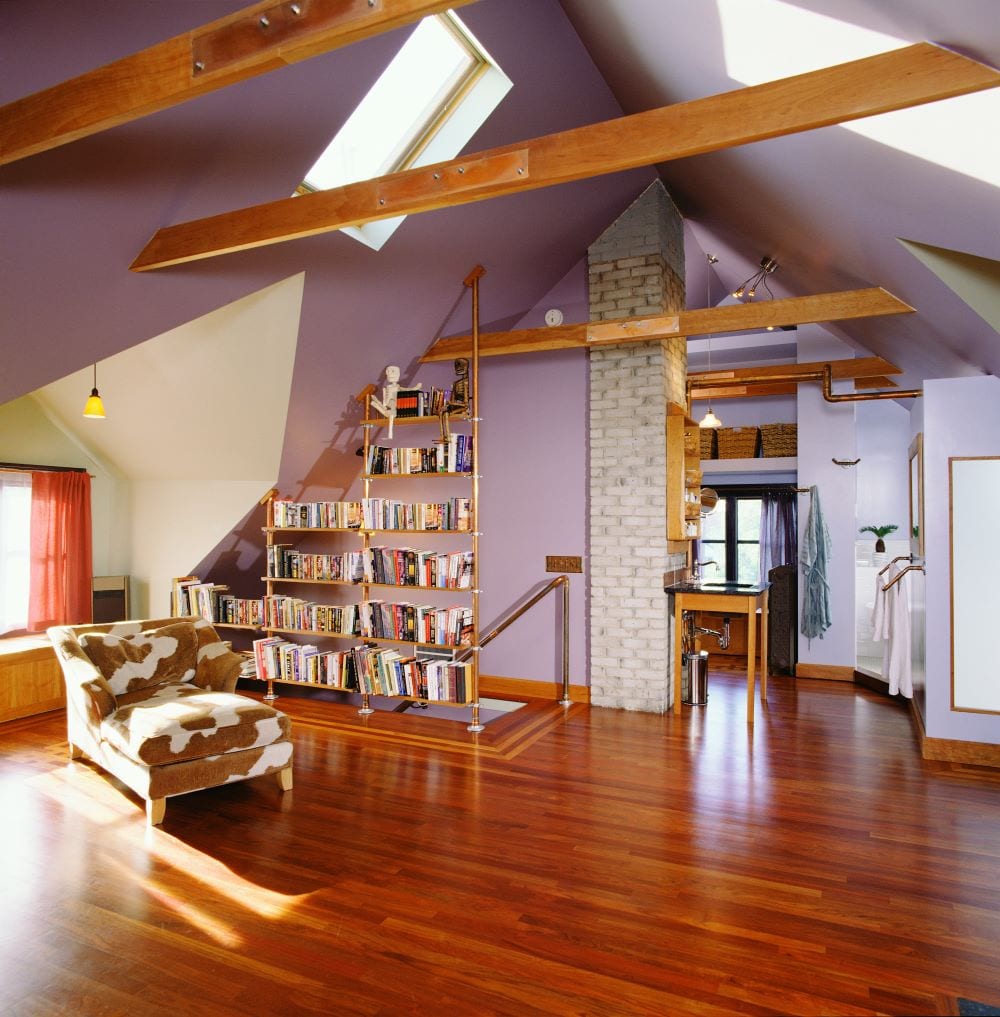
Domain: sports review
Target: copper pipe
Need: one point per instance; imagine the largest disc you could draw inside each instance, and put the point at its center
(902, 572)
(825, 376)
(857, 397)
(472, 281)
(899, 557)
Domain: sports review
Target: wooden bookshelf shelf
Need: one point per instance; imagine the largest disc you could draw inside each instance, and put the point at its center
(347, 582)
(414, 476)
(369, 639)
(403, 421)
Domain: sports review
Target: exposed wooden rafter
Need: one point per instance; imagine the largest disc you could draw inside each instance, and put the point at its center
(252, 41)
(890, 81)
(867, 303)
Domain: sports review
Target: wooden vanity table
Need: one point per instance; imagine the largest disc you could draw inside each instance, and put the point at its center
(727, 599)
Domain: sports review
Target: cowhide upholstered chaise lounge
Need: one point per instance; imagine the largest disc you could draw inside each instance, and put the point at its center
(153, 703)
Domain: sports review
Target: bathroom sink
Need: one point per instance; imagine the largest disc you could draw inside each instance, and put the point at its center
(708, 586)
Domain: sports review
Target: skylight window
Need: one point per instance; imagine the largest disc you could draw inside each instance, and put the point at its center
(426, 105)
(768, 39)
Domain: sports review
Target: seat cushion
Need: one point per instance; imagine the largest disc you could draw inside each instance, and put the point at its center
(133, 662)
(176, 722)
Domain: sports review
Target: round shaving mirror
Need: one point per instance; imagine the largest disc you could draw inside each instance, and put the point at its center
(709, 499)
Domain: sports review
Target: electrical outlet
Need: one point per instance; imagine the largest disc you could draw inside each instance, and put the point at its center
(563, 563)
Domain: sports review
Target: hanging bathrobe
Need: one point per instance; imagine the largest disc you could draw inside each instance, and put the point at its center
(813, 558)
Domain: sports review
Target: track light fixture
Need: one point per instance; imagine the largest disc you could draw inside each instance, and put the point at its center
(747, 290)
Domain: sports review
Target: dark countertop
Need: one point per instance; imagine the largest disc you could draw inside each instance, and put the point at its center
(717, 588)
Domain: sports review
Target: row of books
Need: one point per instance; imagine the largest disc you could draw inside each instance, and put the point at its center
(451, 456)
(277, 659)
(190, 596)
(374, 514)
(239, 611)
(284, 562)
(375, 619)
(397, 566)
(377, 671)
(387, 672)
(281, 612)
(418, 623)
(408, 566)
(418, 402)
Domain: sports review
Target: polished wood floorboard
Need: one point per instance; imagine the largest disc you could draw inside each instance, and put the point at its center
(606, 863)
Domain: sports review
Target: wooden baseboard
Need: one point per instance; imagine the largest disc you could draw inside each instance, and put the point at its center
(950, 750)
(828, 672)
(530, 688)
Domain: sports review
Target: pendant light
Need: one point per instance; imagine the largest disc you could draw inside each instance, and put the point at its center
(710, 420)
(94, 407)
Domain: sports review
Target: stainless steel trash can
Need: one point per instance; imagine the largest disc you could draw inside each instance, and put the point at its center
(694, 680)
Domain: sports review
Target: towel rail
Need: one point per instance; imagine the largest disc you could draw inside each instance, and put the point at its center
(902, 572)
(900, 557)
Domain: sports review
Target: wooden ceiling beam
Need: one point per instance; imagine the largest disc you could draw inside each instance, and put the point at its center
(876, 382)
(889, 81)
(743, 391)
(252, 41)
(867, 303)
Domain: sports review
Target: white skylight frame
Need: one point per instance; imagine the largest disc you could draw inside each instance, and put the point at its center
(458, 104)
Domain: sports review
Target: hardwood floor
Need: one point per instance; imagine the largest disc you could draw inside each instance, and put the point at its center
(608, 863)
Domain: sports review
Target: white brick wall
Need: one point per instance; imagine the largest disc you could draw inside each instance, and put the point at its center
(636, 267)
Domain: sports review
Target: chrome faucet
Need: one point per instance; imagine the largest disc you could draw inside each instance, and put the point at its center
(697, 566)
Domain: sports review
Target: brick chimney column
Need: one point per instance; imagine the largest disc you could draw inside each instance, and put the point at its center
(636, 268)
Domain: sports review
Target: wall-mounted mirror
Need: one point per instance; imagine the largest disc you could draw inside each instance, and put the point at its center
(975, 564)
(917, 496)
(709, 499)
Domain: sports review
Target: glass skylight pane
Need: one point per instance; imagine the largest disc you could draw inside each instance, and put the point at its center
(401, 106)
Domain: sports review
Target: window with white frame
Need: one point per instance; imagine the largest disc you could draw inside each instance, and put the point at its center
(434, 95)
(15, 550)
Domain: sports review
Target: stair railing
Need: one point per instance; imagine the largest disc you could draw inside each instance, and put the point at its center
(556, 583)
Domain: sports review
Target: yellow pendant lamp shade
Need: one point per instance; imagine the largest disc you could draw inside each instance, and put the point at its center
(94, 407)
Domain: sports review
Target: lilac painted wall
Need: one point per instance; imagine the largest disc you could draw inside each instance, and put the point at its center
(81, 213)
(827, 431)
(961, 417)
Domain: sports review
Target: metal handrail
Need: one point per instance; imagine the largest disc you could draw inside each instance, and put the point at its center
(562, 581)
(899, 557)
(899, 575)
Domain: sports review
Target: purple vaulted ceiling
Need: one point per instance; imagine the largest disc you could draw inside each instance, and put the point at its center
(75, 217)
(828, 205)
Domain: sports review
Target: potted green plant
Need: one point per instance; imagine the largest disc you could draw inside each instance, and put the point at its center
(880, 532)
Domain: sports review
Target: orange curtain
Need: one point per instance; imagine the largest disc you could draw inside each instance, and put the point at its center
(61, 550)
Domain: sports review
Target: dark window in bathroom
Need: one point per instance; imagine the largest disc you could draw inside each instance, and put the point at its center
(730, 535)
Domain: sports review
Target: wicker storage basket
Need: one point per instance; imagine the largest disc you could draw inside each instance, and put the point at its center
(778, 440)
(738, 442)
(706, 436)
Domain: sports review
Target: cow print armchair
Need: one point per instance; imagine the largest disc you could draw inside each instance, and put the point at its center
(153, 703)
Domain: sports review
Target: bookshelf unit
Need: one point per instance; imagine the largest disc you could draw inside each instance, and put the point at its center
(423, 653)
(683, 477)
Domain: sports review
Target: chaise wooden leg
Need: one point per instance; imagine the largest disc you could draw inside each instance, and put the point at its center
(285, 778)
(156, 808)
(75, 752)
